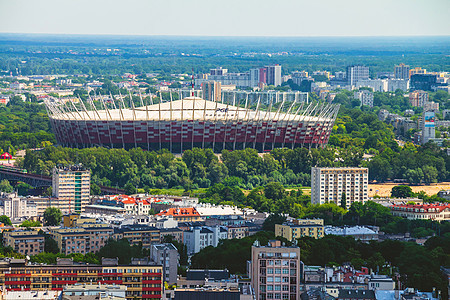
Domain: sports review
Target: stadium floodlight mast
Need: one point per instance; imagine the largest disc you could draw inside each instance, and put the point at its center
(260, 120)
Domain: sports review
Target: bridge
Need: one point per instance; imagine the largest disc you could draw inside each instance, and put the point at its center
(36, 180)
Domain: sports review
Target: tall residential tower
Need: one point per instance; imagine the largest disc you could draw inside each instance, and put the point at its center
(72, 184)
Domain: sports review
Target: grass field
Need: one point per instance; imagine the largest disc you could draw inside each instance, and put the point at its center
(384, 189)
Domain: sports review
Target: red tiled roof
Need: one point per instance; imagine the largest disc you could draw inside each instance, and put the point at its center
(183, 212)
(413, 207)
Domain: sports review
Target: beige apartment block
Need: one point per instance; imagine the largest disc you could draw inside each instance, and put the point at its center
(275, 271)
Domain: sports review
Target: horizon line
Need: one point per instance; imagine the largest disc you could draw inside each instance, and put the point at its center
(222, 36)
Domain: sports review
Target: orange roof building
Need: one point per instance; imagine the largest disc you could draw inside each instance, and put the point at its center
(182, 214)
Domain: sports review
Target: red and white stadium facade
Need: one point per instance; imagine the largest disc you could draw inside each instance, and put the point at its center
(194, 122)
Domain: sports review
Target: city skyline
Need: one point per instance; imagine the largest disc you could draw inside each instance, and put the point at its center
(249, 18)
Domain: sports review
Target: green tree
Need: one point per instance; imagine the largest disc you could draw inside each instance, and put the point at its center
(344, 201)
(52, 216)
(121, 249)
(5, 220)
(270, 221)
(5, 186)
(50, 245)
(29, 223)
(274, 191)
(401, 191)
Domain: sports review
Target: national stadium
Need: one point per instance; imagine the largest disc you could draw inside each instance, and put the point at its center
(191, 122)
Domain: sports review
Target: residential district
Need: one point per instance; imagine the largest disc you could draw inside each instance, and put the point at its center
(79, 224)
(159, 222)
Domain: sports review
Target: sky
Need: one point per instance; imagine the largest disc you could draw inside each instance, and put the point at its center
(227, 17)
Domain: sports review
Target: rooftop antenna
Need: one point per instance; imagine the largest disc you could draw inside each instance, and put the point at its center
(192, 83)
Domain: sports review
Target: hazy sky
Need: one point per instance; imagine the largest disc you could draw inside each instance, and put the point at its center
(228, 18)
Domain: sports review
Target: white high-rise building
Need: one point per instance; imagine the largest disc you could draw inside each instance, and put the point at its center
(398, 84)
(16, 207)
(428, 126)
(357, 73)
(274, 75)
(329, 184)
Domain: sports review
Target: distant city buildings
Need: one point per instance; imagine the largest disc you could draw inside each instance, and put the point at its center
(428, 126)
(212, 91)
(401, 72)
(425, 82)
(418, 98)
(256, 77)
(417, 70)
(356, 73)
(73, 185)
(330, 185)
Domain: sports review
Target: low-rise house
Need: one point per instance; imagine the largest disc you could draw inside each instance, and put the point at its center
(362, 233)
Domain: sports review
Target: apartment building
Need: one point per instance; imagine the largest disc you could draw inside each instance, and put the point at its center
(329, 185)
(401, 71)
(143, 281)
(434, 211)
(212, 91)
(366, 97)
(300, 228)
(176, 233)
(201, 237)
(237, 232)
(275, 271)
(16, 207)
(25, 242)
(42, 203)
(356, 73)
(418, 98)
(167, 256)
(82, 239)
(72, 184)
(136, 234)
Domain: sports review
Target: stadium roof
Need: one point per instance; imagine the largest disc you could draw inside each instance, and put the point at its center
(194, 108)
